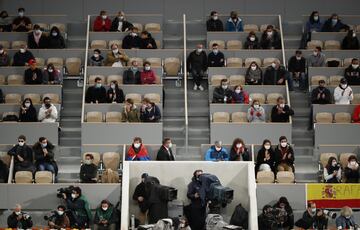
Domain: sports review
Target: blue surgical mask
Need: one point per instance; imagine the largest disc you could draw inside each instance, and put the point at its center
(98, 85)
(334, 21)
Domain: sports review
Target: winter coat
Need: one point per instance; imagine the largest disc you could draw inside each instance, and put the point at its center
(147, 77)
(132, 116)
(213, 155)
(131, 78)
(146, 114)
(328, 27)
(140, 154)
(234, 26)
(125, 25)
(243, 155)
(130, 42)
(256, 115)
(343, 96)
(214, 25)
(165, 154)
(352, 75)
(52, 117)
(20, 59)
(316, 61)
(272, 75)
(216, 60)
(29, 115)
(94, 94)
(219, 95)
(99, 24)
(30, 74)
(43, 41)
(197, 61)
(88, 173)
(282, 155)
(115, 95)
(282, 117)
(322, 101)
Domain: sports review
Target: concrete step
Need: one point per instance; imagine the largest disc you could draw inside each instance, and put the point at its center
(70, 122)
(72, 43)
(174, 112)
(76, 28)
(300, 121)
(70, 104)
(300, 132)
(293, 28)
(75, 112)
(198, 140)
(304, 141)
(306, 171)
(299, 159)
(70, 141)
(195, 122)
(70, 132)
(304, 151)
(73, 160)
(69, 151)
(173, 121)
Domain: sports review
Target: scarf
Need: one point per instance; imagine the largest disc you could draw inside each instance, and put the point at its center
(37, 37)
(105, 215)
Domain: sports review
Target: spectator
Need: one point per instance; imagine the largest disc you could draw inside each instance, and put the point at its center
(321, 95)
(140, 197)
(312, 218)
(350, 42)
(96, 93)
(27, 111)
(23, 156)
(2, 100)
(165, 152)
(317, 58)
(238, 151)
(214, 24)
(22, 57)
(105, 216)
(33, 75)
(286, 218)
(147, 76)
(222, 93)
(96, 59)
(147, 41)
(79, 208)
(116, 58)
(343, 93)
(47, 112)
(239, 95)
(149, 112)
(4, 172)
(346, 220)
(197, 65)
(356, 114)
(19, 219)
(281, 112)
(266, 220)
(256, 113)
(352, 173)
(276, 74)
(234, 23)
(217, 153)
(314, 24)
(4, 57)
(270, 38)
(296, 67)
(21, 23)
(137, 151)
(130, 112)
(114, 93)
(88, 170)
(52, 76)
(55, 39)
(252, 41)
(59, 219)
(352, 72)
(5, 22)
(334, 24)
(332, 171)
(44, 156)
(216, 58)
(284, 156)
(132, 75)
(36, 39)
(265, 160)
(102, 22)
(119, 24)
(254, 75)
(132, 40)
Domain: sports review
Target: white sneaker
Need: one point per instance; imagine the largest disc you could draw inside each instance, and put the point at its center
(201, 88)
(195, 87)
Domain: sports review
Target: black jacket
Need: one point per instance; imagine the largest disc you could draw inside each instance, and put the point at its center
(29, 74)
(21, 58)
(307, 221)
(23, 151)
(125, 26)
(146, 114)
(220, 93)
(146, 41)
(56, 42)
(165, 155)
(235, 157)
(288, 160)
(350, 43)
(282, 117)
(2, 99)
(274, 42)
(352, 75)
(43, 42)
(260, 159)
(214, 25)
(94, 94)
(130, 79)
(87, 173)
(39, 154)
(130, 42)
(4, 172)
(289, 219)
(297, 65)
(272, 76)
(328, 27)
(197, 61)
(216, 60)
(252, 44)
(324, 91)
(140, 191)
(22, 224)
(264, 223)
(110, 95)
(352, 176)
(29, 116)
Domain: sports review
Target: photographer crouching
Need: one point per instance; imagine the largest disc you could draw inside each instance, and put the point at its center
(58, 219)
(19, 219)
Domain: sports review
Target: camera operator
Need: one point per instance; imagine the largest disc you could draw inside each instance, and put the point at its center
(58, 219)
(19, 219)
(313, 218)
(105, 216)
(284, 214)
(79, 208)
(346, 220)
(266, 220)
(139, 196)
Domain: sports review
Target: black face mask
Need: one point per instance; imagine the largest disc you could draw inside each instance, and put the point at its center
(321, 87)
(47, 105)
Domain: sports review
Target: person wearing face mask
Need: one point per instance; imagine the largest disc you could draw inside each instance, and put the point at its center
(55, 39)
(102, 22)
(22, 57)
(5, 22)
(352, 173)
(239, 95)
(130, 112)
(350, 41)
(266, 220)
(296, 67)
(314, 24)
(27, 111)
(114, 93)
(116, 57)
(332, 171)
(312, 218)
(216, 58)
(238, 151)
(37, 39)
(4, 57)
(321, 95)
(343, 93)
(265, 160)
(256, 113)
(346, 220)
(96, 93)
(270, 39)
(165, 152)
(234, 23)
(254, 74)
(222, 93)
(356, 115)
(281, 112)
(137, 151)
(51, 75)
(334, 24)
(105, 216)
(132, 40)
(44, 156)
(88, 170)
(141, 198)
(132, 75)
(252, 41)
(214, 24)
(149, 111)
(19, 219)
(276, 74)
(197, 65)
(317, 58)
(33, 75)
(120, 24)
(96, 59)
(21, 23)
(286, 220)
(79, 207)
(47, 112)
(217, 153)
(352, 72)
(147, 41)
(59, 219)
(284, 156)
(147, 76)
(23, 156)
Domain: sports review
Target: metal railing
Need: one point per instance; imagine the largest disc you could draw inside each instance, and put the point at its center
(185, 88)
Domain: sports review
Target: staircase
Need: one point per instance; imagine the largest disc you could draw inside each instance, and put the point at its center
(173, 35)
(76, 38)
(292, 34)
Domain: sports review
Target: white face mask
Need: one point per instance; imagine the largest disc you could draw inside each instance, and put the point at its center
(112, 86)
(54, 34)
(238, 145)
(282, 105)
(267, 147)
(215, 17)
(147, 68)
(87, 162)
(355, 66)
(104, 17)
(334, 164)
(27, 104)
(218, 148)
(121, 18)
(73, 195)
(253, 67)
(37, 32)
(1, 51)
(96, 55)
(50, 70)
(44, 145)
(21, 14)
(283, 144)
(256, 106)
(352, 163)
(60, 213)
(215, 51)
(18, 213)
(21, 143)
(22, 50)
(137, 145)
(354, 35)
(315, 53)
(273, 65)
(343, 86)
(170, 145)
(115, 51)
(238, 91)
(269, 33)
(316, 18)
(298, 58)
(104, 208)
(224, 86)
(133, 34)
(252, 39)
(199, 50)
(313, 210)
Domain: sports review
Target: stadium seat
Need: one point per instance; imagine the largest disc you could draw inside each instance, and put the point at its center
(96, 156)
(6, 158)
(221, 117)
(9, 113)
(324, 157)
(314, 43)
(172, 66)
(43, 26)
(271, 98)
(285, 177)
(153, 27)
(43, 177)
(23, 177)
(117, 42)
(16, 44)
(92, 79)
(139, 60)
(60, 26)
(315, 79)
(249, 60)
(264, 26)
(216, 79)
(324, 118)
(332, 45)
(333, 59)
(153, 97)
(55, 99)
(258, 96)
(356, 100)
(269, 61)
(342, 117)
(111, 160)
(233, 45)
(113, 116)
(73, 65)
(236, 80)
(220, 43)
(239, 117)
(155, 62)
(344, 159)
(35, 98)
(5, 44)
(2, 80)
(357, 28)
(15, 79)
(335, 80)
(98, 44)
(347, 62)
(134, 96)
(234, 62)
(139, 26)
(94, 117)
(250, 27)
(40, 62)
(265, 177)
(117, 78)
(13, 98)
(58, 62)
(158, 44)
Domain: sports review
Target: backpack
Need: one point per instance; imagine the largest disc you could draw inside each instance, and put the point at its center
(110, 176)
(11, 117)
(239, 217)
(333, 63)
(164, 224)
(214, 222)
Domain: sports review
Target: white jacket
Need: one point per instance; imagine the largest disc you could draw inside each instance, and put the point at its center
(49, 118)
(342, 96)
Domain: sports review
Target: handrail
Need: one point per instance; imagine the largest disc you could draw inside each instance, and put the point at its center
(185, 77)
(85, 69)
(11, 170)
(282, 41)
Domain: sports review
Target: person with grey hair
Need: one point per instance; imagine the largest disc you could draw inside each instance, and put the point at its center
(19, 219)
(217, 153)
(346, 220)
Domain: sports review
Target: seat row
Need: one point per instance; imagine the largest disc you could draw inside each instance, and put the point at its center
(150, 27)
(224, 117)
(96, 116)
(343, 158)
(114, 77)
(331, 81)
(15, 98)
(103, 44)
(268, 177)
(137, 98)
(26, 177)
(270, 98)
(327, 45)
(109, 160)
(325, 117)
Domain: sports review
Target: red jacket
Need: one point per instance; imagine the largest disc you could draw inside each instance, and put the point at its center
(142, 155)
(147, 77)
(98, 24)
(356, 114)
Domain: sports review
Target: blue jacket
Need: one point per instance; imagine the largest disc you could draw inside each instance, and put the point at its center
(316, 26)
(213, 155)
(232, 27)
(341, 221)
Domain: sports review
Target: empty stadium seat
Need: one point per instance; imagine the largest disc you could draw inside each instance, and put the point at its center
(221, 117)
(93, 77)
(265, 177)
(6, 158)
(2, 79)
(344, 159)
(13, 98)
(17, 44)
(15, 79)
(23, 177)
(333, 59)
(35, 98)
(347, 62)
(111, 160)
(58, 62)
(239, 117)
(234, 62)
(5, 44)
(250, 27)
(117, 42)
(134, 96)
(113, 116)
(285, 177)
(271, 98)
(314, 43)
(324, 118)
(269, 61)
(94, 117)
(324, 157)
(60, 26)
(172, 66)
(155, 62)
(249, 60)
(220, 43)
(139, 26)
(315, 79)
(335, 80)
(216, 79)
(332, 45)
(158, 44)
(356, 100)
(55, 99)
(342, 117)
(357, 28)
(258, 96)
(234, 44)
(154, 97)
(153, 27)
(73, 65)
(236, 80)
(139, 60)
(96, 156)
(117, 78)
(43, 177)
(98, 44)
